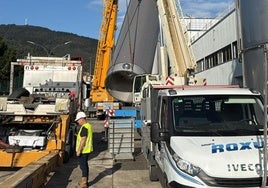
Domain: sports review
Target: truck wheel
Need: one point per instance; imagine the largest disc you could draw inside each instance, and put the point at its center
(101, 117)
(153, 173)
(164, 181)
(71, 142)
(66, 157)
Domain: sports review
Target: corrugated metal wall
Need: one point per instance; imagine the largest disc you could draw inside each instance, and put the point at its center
(254, 33)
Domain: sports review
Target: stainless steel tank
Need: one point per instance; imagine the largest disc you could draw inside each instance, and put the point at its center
(252, 18)
(135, 48)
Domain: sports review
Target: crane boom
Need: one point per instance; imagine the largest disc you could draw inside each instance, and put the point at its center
(177, 60)
(103, 56)
(99, 95)
(179, 53)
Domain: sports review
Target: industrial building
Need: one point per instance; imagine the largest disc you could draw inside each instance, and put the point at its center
(214, 43)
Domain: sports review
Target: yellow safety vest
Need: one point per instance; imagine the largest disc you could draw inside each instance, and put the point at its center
(88, 148)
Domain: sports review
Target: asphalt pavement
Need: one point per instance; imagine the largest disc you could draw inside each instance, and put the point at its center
(105, 171)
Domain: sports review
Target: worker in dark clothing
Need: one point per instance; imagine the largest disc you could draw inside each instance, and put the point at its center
(84, 146)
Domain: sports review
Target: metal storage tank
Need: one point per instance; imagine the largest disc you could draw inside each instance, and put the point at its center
(253, 16)
(135, 48)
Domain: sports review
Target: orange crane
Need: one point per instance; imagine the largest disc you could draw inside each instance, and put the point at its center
(99, 95)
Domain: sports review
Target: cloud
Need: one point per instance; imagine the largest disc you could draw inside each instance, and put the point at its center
(95, 2)
(204, 8)
(194, 8)
(122, 7)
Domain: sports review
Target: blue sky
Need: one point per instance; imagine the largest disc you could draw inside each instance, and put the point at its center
(83, 17)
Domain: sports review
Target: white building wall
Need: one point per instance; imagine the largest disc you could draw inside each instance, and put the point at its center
(223, 74)
(222, 34)
(217, 37)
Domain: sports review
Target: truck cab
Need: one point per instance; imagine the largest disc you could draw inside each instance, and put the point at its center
(207, 137)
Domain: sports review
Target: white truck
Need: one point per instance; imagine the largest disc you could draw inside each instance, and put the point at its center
(204, 136)
(192, 135)
(38, 119)
(197, 136)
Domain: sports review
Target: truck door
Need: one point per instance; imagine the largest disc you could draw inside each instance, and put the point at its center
(163, 115)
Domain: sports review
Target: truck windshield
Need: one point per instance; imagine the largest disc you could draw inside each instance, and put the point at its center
(217, 115)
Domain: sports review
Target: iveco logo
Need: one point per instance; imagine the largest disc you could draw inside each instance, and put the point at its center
(218, 148)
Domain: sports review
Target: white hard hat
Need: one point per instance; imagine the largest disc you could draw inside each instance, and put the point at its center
(80, 115)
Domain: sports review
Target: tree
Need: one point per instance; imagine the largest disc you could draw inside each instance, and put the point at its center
(7, 55)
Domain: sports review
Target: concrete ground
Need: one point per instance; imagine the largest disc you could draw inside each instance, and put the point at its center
(105, 172)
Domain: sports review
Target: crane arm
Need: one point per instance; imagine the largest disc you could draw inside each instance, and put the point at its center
(179, 53)
(104, 50)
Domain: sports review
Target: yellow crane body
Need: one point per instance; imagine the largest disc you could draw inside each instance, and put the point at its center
(105, 45)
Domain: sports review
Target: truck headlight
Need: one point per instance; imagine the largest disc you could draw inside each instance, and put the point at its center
(186, 166)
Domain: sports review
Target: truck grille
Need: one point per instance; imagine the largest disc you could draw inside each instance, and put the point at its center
(230, 182)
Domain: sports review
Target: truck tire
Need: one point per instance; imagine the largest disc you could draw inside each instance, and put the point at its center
(165, 183)
(153, 173)
(73, 146)
(70, 143)
(101, 117)
(66, 157)
(163, 180)
(153, 169)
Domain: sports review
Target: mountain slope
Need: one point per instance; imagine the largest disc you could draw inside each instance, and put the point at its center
(39, 41)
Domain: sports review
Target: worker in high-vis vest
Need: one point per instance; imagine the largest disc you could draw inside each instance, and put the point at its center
(84, 146)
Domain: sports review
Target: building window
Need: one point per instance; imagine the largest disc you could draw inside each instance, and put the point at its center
(221, 56)
(235, 53)
(199, 65)
(227, 53)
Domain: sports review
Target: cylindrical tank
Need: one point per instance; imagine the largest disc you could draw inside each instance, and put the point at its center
(253, 16)
(135, 48)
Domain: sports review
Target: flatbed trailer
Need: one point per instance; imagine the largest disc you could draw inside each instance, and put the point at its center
(37, 129)
(34, 174)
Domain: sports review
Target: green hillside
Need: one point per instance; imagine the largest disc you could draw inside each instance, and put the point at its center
(48, 42)
(16, 41)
